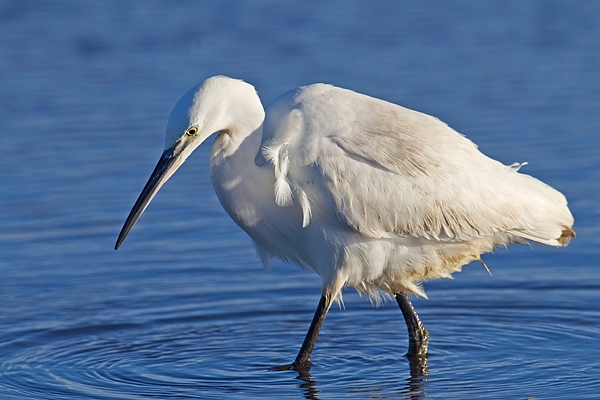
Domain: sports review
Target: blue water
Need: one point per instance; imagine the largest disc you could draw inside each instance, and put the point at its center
(184, 308)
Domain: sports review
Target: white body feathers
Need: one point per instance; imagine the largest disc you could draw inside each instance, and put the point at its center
(370, 194)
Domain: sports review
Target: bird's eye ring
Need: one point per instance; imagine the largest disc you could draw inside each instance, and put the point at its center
(191, 131)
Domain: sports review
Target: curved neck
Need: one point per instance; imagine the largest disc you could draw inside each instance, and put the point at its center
(235, 148)
(244, 189)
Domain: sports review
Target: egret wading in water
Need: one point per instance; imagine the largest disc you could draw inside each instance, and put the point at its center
(366, 193)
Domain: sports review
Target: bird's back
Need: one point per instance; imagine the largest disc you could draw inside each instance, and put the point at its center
(384, 172)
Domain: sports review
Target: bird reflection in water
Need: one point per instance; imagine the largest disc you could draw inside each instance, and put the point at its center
(413, 388)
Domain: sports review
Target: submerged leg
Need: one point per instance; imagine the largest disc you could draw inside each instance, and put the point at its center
(418, 337)
(302, 361)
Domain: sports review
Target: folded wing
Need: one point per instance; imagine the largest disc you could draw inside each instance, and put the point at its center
(385, 171)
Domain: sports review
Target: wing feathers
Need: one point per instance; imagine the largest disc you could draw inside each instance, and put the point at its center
(278, 156)
(386, 171)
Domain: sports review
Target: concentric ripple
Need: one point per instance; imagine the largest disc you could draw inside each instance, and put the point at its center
(473, 350)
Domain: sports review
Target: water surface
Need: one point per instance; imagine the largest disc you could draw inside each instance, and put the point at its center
(184, 308)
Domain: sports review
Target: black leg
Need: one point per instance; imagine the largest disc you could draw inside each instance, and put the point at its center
(302, 361)
(418, 337)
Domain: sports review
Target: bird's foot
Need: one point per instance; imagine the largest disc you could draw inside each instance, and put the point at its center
(285, 367)
(295, 366)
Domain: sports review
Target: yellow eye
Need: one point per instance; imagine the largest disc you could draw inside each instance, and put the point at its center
(192, 131)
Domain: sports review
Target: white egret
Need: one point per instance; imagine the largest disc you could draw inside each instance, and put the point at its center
(366, 193)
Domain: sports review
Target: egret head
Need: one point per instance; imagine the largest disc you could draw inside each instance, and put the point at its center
(220, 104)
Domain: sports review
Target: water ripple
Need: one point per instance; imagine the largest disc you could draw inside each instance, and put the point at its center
(184, 309)
(233, 355)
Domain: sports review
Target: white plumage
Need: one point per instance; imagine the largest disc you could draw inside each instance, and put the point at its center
(397, 196)
(367, 193)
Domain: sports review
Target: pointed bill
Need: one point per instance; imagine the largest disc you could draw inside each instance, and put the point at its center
(169, 162)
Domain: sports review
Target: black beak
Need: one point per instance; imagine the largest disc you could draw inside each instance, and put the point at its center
(167, 165)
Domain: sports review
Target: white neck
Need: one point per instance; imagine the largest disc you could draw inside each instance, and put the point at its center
(243, 188)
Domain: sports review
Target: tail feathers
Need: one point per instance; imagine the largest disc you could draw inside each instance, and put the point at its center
(544, 214)
(566, 236)
(543, 237)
